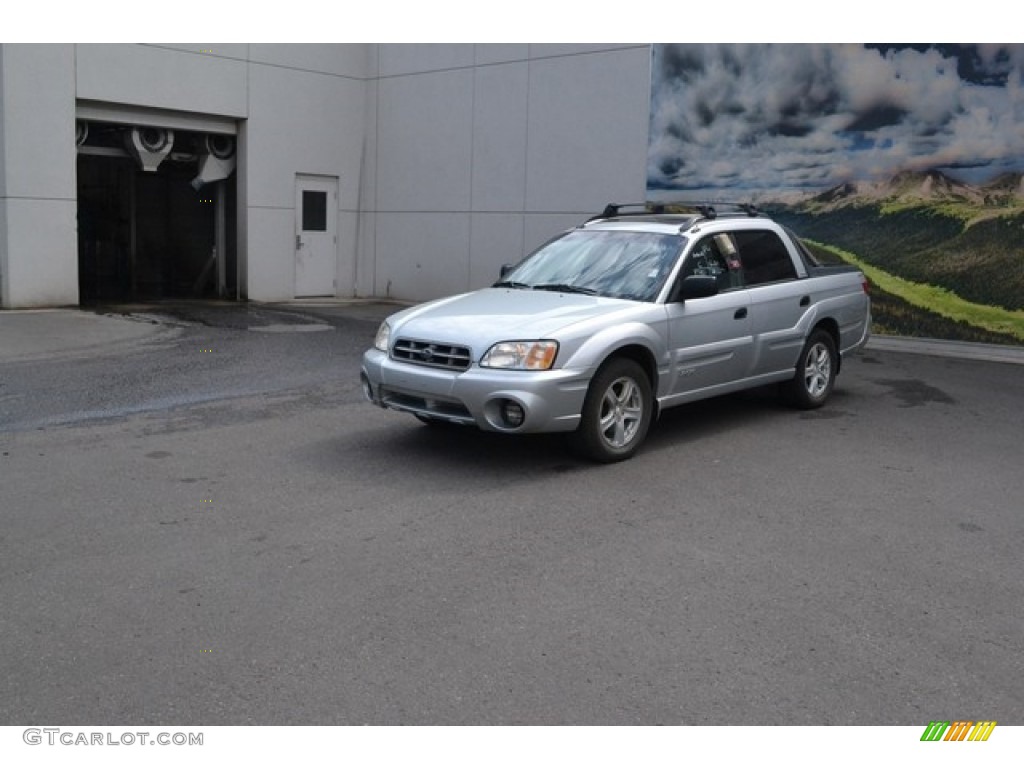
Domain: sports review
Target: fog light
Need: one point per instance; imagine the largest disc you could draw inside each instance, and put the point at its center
(512, 414)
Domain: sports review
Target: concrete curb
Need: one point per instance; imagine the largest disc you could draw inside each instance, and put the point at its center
(960, 350)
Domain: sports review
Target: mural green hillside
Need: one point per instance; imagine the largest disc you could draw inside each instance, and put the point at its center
(974, 248)
(903, 308)
(932, 246)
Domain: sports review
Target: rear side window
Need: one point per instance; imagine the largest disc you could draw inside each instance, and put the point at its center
(764, 257)
(809, 258)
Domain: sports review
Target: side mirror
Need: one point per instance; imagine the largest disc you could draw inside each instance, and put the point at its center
(505, 269)
(697, 287)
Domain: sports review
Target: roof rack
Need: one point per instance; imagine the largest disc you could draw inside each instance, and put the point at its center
(706, 209)
(613, 210)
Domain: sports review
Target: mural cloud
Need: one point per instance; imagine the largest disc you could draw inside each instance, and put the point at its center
(805, 117)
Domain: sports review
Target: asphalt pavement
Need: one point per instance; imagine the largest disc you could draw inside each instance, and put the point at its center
(204, 522)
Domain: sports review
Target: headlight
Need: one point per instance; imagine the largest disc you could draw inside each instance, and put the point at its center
(383, 337)
(521, 355)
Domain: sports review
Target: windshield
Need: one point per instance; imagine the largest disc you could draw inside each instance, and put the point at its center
(622, 265)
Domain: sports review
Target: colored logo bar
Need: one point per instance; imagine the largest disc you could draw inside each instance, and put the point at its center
(958, 730)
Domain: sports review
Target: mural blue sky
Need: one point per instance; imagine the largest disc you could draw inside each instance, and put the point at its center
(787, 117)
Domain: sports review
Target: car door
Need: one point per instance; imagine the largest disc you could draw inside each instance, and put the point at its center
(778, 299)
(710, 337)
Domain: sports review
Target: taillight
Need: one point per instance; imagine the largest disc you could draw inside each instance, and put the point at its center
(864, 285)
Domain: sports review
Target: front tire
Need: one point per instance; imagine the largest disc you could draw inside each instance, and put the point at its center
(616, 413)
(815, 371)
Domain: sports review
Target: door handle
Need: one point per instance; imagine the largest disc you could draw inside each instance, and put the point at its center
(805, 301)
(298, 242)
(740, 313)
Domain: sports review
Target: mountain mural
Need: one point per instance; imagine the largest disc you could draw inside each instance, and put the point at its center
(920, 188)
(908, 159)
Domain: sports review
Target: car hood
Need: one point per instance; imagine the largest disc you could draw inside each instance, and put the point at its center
(484, 317)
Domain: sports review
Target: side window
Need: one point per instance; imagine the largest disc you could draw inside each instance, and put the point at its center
(716, 256)
(764, 256)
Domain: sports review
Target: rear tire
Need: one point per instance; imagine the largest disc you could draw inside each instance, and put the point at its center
(815, 374)
(616, 413)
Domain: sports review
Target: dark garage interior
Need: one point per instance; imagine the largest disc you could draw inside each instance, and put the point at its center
(149, 221)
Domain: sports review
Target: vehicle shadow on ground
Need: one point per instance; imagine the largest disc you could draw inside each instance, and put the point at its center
(442, 449)
(450, 448)
(689, 424)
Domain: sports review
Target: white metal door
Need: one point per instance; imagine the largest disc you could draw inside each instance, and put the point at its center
(316, 236)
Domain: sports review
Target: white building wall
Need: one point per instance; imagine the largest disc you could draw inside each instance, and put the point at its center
(300, 110)
(38, 246)
(297, 108)
(306, 116)
(209, 79)
(451, 159)
(483, 152)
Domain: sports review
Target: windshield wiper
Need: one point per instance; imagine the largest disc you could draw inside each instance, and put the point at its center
(565, 288)
(510, 284)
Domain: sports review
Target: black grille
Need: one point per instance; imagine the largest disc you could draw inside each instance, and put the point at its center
(427, 406)
(432, 353)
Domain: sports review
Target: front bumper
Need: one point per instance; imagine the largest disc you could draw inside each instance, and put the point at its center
(550, 401)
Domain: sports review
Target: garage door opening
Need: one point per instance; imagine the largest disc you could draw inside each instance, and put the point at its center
(156, 214)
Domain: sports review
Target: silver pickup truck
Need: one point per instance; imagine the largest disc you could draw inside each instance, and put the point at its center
(611, 322)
